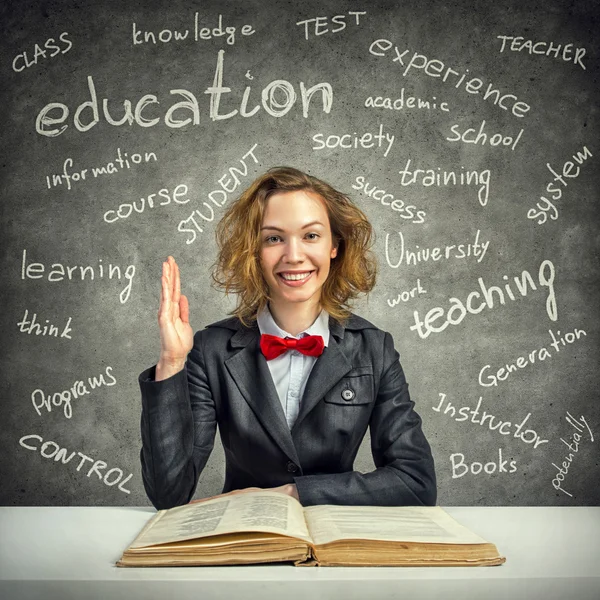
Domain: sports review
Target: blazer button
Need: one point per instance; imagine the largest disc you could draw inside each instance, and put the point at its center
(291, 467)
(348, 394)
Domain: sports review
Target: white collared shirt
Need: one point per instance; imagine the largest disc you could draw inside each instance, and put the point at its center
(291, 369)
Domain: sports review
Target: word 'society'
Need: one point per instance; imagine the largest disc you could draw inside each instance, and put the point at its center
(354, 140)
(59, 272)
(50, 449)
(535, 356)
(229, 182)
(50, 121)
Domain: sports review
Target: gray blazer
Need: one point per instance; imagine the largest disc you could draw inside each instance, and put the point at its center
(356, 383)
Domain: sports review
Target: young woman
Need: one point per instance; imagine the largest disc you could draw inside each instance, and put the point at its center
(294, 378)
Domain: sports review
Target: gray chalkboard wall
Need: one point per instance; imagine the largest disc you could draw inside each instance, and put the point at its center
(468, 133)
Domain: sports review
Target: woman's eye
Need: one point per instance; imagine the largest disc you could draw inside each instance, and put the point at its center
(271, 237)
(315, 234)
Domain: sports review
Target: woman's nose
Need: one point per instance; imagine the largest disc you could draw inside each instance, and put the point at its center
(294, 250)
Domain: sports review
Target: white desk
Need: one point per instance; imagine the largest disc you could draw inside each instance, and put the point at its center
(60, 553)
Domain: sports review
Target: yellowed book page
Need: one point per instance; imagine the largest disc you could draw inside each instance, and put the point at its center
(271, 512)
(432, 524)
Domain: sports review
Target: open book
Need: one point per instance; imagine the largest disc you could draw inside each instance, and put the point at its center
(261, 527)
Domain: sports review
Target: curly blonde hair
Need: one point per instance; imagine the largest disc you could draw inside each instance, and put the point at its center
(237, 268)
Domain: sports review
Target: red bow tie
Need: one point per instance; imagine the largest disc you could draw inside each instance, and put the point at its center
(272, 346)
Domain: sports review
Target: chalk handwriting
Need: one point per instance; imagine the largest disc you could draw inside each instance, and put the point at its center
(49, 49)
(139, 36)
(538, 355)
(321, 25)
(400, 103)
(162, 197)
(570, 170)
(354, 140)
(460, 468)
(121, 162)
(435, 68)
(546, 48)
(51, 120)
(497, 139)
(529, 436)
(573, 445)
(51, 449)
(405, 211)
(63, 399)
(438, 178)
(458, 309)
(229, 182)
(59, 272)
(407, 295)
(446, 252)
(30, 326)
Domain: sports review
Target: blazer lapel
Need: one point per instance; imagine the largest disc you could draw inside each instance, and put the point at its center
(330, 367)
(251, 373)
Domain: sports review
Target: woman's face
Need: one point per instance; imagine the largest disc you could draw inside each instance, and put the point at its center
(296, 241)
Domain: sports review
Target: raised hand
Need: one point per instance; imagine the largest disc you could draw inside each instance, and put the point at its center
(176, 334)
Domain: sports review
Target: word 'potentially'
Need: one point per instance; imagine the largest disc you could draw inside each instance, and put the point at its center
(573, 446)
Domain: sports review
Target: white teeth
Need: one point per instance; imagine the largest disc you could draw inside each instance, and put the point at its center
(295, 277)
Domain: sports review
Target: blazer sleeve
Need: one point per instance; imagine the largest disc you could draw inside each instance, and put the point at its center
(178, 426)
(404, 474)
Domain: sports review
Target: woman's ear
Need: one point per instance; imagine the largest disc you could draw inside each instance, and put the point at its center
(334, 252)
